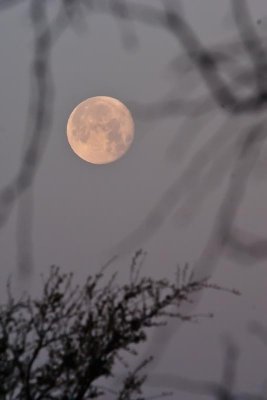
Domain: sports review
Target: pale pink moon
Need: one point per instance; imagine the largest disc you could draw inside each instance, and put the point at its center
(100, 130)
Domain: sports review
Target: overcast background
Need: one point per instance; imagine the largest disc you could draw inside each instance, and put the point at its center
(82, 213)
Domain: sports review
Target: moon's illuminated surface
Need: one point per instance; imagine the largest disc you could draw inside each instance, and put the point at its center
(100, 129)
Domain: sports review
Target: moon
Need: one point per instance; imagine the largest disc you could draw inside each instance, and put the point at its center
(100, 130)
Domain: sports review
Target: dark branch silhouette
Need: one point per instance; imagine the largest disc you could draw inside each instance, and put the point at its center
(59, 345)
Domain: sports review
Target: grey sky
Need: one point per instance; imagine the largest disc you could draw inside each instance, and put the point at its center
(82, 212)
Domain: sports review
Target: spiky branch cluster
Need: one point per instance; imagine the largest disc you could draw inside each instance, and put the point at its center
(59, 345)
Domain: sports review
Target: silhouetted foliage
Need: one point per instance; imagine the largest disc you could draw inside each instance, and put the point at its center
(59, 345)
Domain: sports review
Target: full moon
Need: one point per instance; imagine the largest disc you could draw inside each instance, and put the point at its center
(100, 130)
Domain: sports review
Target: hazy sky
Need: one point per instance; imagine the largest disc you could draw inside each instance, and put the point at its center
(83, 213)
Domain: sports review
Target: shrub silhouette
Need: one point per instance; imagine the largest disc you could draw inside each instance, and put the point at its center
(59, 345)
